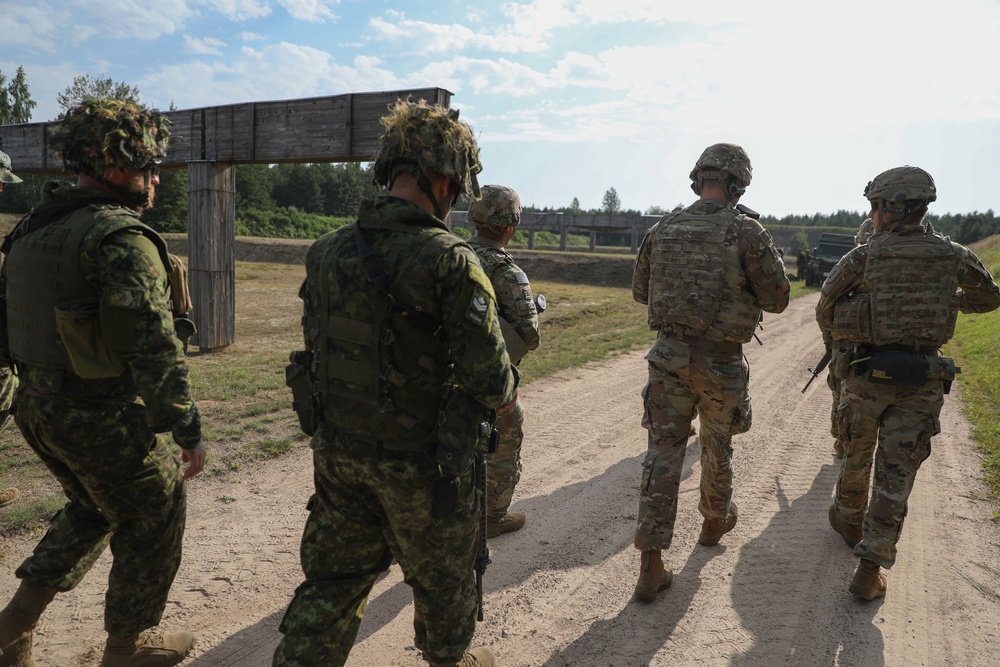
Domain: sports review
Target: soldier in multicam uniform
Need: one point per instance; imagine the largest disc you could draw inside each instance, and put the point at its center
(8, 381)
(496, 217)
(411, 364)
(88, 329)
(895, 300)
(833, 378)
(706, 272)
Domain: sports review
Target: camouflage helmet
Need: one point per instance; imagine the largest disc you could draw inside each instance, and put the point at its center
(426, 136)
(902, 184)
(99, 134)
(721, 160)
(6, 175)
(500, 206)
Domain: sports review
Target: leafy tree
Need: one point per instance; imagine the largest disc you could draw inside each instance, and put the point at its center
(611, 204)
(89, 86)
(656, 210)
(22, 102)
(574, 206)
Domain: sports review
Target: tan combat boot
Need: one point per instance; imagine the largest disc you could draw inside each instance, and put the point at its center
(7, 496)
(851, 533)
(712, 530)
(508, 523)
(653, 577)
(868, 583)
(477, 657)
(147, 649)
(17, 623)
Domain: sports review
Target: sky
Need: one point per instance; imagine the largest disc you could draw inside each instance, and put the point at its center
(569, 98)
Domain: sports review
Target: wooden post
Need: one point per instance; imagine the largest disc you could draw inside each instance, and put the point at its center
(635, 239)
(563, 234)
(531, 239)
(212, 252)
(593, 241)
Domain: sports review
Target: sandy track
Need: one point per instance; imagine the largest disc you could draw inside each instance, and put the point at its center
(559, 591)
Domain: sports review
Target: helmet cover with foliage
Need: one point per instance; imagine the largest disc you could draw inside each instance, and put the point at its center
(420, 136)
(499, 206)
(99, 134)
(721, 161)
(6, 175)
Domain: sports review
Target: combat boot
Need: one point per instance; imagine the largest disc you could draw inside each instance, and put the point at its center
(17, 623)
(477, 657)
(712, 530)
(508, 523)
(868, 583)
(7, 496)
(653, 577)
(851, 533)
(147, 649)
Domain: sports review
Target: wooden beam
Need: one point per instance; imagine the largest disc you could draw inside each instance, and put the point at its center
(212, 252)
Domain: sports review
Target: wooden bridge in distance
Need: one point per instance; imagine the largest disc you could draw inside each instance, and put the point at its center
(564, 224)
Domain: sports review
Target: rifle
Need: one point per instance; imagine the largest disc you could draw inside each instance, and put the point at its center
(483, 550)
(823, 362)
(760, 323)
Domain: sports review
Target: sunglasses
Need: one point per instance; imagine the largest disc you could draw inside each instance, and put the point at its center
(153, 166)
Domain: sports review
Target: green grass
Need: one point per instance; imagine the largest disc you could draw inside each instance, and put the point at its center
(974, 348)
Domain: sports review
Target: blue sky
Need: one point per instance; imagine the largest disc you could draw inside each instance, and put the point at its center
(571, 97)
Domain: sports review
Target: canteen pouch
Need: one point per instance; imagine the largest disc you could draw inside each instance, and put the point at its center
(79, 326)
(299, 379)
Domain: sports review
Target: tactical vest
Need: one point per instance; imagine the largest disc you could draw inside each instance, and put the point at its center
(697, 285)
(381, 364)
(44, 273)
(913, 289)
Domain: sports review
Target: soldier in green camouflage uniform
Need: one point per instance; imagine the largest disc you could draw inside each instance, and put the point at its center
(8, 381)
(706, 272)
(410, 364)
(895, 301)
(496, 217)
(102, 377)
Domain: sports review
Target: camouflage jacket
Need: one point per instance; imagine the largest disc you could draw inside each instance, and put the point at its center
(429, 271)
(125, 263)
(979, 293)
(513, 291)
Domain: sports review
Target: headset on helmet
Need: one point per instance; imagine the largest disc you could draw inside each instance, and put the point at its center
(901, 190)
(726, 163)
(499, 206)
(421, 137)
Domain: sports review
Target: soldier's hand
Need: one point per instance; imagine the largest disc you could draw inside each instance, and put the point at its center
(195, 458)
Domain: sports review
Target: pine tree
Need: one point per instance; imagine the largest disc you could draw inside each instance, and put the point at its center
(22, 102)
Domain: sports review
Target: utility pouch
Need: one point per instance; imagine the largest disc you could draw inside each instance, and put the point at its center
(79, 327)
(299, 379)
(841, 361)
(898, 368)
(942, 368)
(464, 427)
(446, 492)
(852, 319)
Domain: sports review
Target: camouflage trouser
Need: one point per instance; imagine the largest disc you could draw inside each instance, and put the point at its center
(124, 486)
(370, 506)
(902, 420)
(684, 377)
(503, 467)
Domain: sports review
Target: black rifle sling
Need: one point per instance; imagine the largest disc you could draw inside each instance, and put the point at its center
(377, 275)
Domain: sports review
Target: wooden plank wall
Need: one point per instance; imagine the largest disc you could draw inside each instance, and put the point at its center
(338, 128)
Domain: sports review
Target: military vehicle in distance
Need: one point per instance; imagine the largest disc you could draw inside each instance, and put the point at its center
(825, 255)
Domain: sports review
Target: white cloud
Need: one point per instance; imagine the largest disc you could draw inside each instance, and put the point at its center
(420, 37)
(238, 10)
(315, 11)
(266, 74)
(251, 36)
(206, 45)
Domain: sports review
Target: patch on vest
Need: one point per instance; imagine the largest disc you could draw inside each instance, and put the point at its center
(124, 297)
(521, 277)
(479, 307)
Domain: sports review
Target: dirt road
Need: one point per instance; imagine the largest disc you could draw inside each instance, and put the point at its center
(559, 591)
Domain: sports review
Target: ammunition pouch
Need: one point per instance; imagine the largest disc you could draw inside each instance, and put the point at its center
(852, 319)
(516, 349)
(299, 378)
(907, 369)
(79, 326)
(464, 428)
